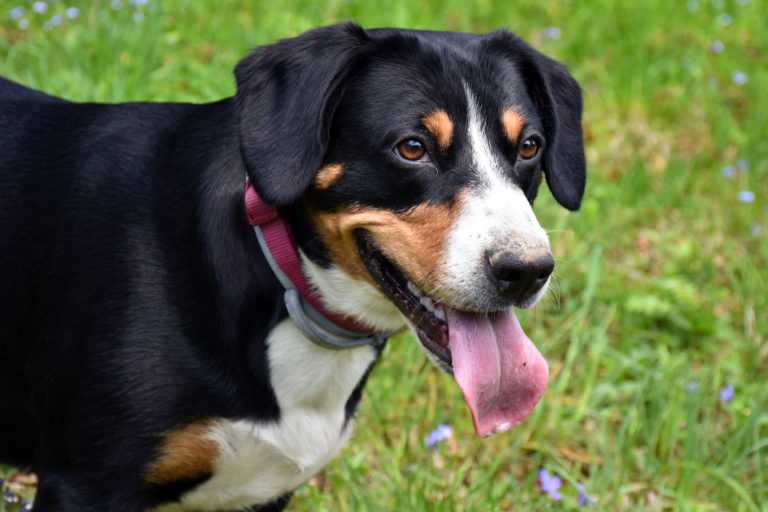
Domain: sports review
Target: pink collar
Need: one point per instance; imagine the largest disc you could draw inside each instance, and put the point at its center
(303, 303)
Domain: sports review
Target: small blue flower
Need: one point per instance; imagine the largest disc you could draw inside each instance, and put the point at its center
(10, 498)
(56, 20)
(728, 171)
(692, 387)
(756, 230)
(584, 498)
(550, 484)
(726, 394)
(24, 24)
(725, 19)
(739, 77)
(72, 12)
(440, 434)
(16, 13)
(747, 196)
(717, 46)
(742, 165)
(552, 33)
(40, 7)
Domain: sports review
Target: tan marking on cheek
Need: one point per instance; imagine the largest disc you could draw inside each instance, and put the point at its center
(185, 454)
(414, 239)
(513, 123)
(328, 175)
(440, 126)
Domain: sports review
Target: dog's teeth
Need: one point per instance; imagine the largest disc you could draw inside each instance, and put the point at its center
(440, 313)
(427, 303)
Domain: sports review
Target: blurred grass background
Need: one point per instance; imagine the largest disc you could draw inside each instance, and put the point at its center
(660, 303)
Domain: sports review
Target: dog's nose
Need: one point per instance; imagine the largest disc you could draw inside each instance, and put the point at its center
(520, 277)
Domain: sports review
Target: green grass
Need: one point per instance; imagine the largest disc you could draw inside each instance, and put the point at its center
(661, 281)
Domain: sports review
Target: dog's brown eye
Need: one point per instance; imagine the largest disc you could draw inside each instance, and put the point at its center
(411, 149)
(528, 148)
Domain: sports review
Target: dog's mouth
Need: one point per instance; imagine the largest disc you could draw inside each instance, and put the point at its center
(426, 317)
(500, 371)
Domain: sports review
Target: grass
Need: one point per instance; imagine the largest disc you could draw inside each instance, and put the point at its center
(662, 285)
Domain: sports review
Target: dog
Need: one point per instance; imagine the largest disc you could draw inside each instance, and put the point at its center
(193, 296)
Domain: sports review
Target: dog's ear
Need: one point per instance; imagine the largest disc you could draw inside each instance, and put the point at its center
(287, 93)
(558, 97)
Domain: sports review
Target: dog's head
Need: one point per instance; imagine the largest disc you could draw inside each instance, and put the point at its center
(408, 162)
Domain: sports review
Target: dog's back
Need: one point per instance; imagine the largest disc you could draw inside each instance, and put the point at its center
(70, 174)
(16, 287)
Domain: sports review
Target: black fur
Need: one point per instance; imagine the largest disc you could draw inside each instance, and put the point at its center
(133, 296)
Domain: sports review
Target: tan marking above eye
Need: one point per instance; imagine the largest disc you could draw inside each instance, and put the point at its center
(439, 124)
(513, 123)
(185, 454)
(328, 175)
(414, 239)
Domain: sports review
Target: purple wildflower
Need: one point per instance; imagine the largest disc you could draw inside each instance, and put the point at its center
(23, 24)
(717, 46)
(10, 498)
(16, 13)
(739, 77)
(72, 12)
(39, 7)
(728, 171)
(550, 484)
(692, 387)
(584, 498)
(440, 434)
(725, 19)
(726, 394)
(552, 33)
(746, 196)
(56, 20)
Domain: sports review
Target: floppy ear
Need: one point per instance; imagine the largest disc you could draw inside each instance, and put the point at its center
(558, 97)
(287, 93)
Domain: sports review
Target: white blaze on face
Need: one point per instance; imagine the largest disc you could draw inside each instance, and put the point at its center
(496, 216)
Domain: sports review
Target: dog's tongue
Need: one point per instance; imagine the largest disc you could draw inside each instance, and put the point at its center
(500, 371)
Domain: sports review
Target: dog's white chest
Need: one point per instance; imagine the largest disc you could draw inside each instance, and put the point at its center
(257, 462)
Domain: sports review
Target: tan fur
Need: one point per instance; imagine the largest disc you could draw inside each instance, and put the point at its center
(185, 454)
(328, 175)
(440, 126)
(414, 240)
(513, 123)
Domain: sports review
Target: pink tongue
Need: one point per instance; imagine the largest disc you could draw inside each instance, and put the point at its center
(500, 371)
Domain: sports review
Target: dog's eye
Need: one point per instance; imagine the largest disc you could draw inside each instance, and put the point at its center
(412, 150)
(528, 148)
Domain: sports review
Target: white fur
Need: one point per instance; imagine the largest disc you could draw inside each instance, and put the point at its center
(259, 462)
(353, 297)
(496, 216)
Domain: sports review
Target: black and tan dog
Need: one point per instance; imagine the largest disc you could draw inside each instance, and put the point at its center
(149, 355)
